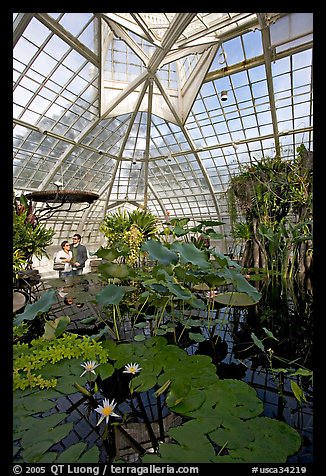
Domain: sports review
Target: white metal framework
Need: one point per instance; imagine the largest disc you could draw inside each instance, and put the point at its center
(129, 106)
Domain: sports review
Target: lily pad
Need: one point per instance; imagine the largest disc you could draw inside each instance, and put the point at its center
(274, 442)
(192, 401)
(235, 299)
(71, 454)
(235, 432)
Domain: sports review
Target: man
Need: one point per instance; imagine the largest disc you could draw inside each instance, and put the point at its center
(79, 255)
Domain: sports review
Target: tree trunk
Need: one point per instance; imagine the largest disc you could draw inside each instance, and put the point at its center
(245, 260)
(308, 258)
(256, 254)
(255, 245)
(301, 257)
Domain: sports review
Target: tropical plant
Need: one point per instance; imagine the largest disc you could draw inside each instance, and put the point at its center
(163, 296)
(19, 261)
(275, 195)
(126, 231)
(30, 238)
(35, 321)
(291, 369)
(200, 234)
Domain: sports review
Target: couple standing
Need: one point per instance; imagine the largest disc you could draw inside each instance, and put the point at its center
(73, 255)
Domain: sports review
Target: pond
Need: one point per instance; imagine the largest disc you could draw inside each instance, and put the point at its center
(268, 346)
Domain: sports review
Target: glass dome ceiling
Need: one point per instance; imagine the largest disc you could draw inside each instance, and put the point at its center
(130, 106)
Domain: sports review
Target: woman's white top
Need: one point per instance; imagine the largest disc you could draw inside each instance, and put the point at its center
(66, 255)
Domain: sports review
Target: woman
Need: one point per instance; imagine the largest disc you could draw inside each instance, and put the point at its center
(64, 256)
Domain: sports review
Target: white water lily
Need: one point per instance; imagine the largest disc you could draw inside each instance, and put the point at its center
(106, 410)
(89, 367)
(132, 368)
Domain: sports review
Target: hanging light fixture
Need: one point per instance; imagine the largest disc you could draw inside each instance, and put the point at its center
(60, 200)
(224, 95)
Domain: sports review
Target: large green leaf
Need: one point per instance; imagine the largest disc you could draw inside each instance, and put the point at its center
(65, 367)
(42, 436)
(115, 270)
(214, 235)
(189, 253)
(35, 450)
(71, 454)
(197, 303)
(248, 404)
(158, 252)
(144, 381)
(274, 442)
(174, 453)
(108, 254)
(111, 294)
(179, 231)
(178, 390)
(48, 457)
(55, 328)
(234, 432)
(191, 439)
(242, 285)
(233, 397)
(192, 401)
(39, 307)
(211, 223)
(214, 280)
(34, 404)
(90, 456)
(105, 370)
(201, 424)
(179, 291)
(65, 385)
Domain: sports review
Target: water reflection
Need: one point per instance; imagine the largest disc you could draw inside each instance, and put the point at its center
(283, 322)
